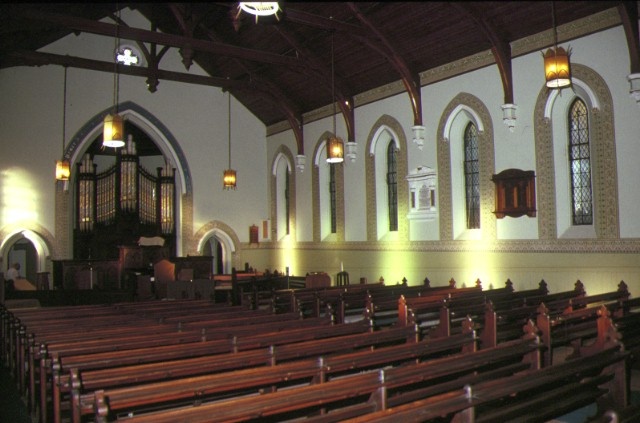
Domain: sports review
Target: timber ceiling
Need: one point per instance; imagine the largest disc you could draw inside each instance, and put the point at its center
(281, 69)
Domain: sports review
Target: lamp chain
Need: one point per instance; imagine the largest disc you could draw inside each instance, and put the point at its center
(229, 125)
(116, 81)
(64, 111)
(333, 86)
(553, 22)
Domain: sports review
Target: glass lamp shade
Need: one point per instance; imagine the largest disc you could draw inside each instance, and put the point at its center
(113, 131)
(556, 68)
(229, 179)
(335, 150)
(260, 8)
(63, 170)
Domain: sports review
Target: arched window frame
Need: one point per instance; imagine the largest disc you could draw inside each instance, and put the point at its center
(471, 171)
(461, 110)
(579, 155)
(385, 130)
(328, 196)
(553, 187)
(392, 186)
(283, 194)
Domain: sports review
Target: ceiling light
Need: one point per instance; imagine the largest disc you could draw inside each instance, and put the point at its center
(229, 175)
(335, 145)
(260, 8)
(113, 125)
(63, 168)
(557, 71)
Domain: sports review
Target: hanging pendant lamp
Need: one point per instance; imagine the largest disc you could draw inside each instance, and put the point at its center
(229, 175)
(335, 144)
(113, 125)
(63, 168)
(557, 69)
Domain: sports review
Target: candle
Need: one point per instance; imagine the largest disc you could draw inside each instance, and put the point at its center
(341, 267)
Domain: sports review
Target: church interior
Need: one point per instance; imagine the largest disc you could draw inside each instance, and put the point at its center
(409, 211)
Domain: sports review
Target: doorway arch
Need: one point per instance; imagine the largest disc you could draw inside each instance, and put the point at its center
(220, 239)
(31, 247)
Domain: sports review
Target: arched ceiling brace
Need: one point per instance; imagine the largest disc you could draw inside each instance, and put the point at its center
(280, 99)
(30, 58)
(102, 28)
(188, 24)
(629, 15)
(345, 104)
(365, 36)
(500, 47)
(152, 56)
(410, 79)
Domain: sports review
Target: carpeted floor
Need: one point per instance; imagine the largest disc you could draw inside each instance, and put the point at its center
(12, 408)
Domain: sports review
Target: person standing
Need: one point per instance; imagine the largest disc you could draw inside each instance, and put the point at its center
(12, 275)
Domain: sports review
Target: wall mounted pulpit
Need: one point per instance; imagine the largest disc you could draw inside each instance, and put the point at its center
(515, 193)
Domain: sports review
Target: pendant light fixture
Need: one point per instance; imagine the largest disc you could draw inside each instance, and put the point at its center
(260, 8)
(557, 70)
(63, 169)
(335, 144)
(229, 176)
(113, 126)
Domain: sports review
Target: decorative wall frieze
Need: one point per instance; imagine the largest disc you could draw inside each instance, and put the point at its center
(565, 246)
(572, 30)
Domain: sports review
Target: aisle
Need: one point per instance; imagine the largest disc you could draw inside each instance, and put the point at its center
(12, 408)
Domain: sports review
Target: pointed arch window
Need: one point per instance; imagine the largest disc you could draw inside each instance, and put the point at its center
(472, 176)
(286, 202)
(392, 185)
(580, 164)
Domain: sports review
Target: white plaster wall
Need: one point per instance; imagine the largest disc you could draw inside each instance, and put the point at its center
(31, 121)
(512, 149)
(195, 115)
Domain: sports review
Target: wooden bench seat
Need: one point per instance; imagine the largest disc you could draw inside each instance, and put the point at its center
(286, 373)
(541, 394)
(571, 327)
(218, 340)
(147, 364)
(339, 398)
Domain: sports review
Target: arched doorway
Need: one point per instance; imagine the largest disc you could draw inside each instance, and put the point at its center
(219, 241)
(27, 248)
(213, 247)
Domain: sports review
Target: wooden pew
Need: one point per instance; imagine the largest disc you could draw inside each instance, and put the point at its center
(216, 340)
(545, 393)
(40, 370)
(570, 326)
(503, 324)
(381, 308)
(317, 370)
(400, 344)
(509, 306)
(135, 331)
(342, 397)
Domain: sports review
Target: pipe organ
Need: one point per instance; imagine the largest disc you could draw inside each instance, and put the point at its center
(118, 205)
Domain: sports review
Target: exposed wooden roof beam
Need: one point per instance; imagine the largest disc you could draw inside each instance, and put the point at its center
(410, 79)
(500, 47)
(629, 16)
(136, 34)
